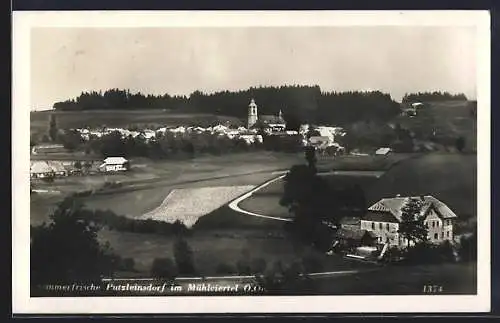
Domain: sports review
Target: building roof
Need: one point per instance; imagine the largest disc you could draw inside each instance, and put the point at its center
(395, 204)
(115, 160)
(382, 151)
(38, 167)
(379, 216)
(271, 119)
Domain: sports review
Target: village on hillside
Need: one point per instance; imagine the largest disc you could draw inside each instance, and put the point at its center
(355, 221)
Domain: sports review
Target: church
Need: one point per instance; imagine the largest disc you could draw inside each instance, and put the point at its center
(272, 123)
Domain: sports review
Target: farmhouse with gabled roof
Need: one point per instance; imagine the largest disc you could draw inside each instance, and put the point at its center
(383, 219)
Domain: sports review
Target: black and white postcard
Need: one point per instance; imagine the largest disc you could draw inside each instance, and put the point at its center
(251, 162)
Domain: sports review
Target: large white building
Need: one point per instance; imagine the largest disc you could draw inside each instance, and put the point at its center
(384, 217)
(115, 164)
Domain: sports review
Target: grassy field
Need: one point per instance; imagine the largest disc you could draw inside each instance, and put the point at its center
(362, 163)
(211, 248)
(149, 183)
(266, 200)
(39, 120)
(404, 280)
(447, 176)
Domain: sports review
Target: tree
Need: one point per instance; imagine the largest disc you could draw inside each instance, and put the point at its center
(164, 268)
(71, 140)
(184, 257)
(468, 247)
(310, 153)
(32, 142)
(460, 143)
(309, 198)
(67, 249)
(87, 166)
(293, 122)
(412, 225)
(52, 128)
(78, 165)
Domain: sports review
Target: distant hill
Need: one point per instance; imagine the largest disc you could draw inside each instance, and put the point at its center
(449, 120)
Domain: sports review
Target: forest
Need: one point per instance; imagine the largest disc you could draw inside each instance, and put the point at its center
(307, 103)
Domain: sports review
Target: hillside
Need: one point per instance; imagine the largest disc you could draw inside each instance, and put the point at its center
(449, 120)
(113, 118)
(452, 178)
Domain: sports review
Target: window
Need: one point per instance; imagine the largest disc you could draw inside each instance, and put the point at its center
(380, 225)
(442, 235)
(373, 225)
(387, 226)
(436, 236)
(448, 234)
(433, 224)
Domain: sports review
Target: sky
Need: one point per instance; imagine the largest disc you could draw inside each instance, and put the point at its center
(393, 59)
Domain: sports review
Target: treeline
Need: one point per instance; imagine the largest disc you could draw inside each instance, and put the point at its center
(308, 103)
(164, 146)
(171, 146)
(433, 96)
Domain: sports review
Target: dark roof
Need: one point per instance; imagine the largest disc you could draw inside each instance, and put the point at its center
(394, 206)
(380, 216)
(271, 119)
(354, 234)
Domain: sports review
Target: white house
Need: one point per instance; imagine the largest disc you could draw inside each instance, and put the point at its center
(384, 217)
(42, 169)
(383, 151)
(115, 164)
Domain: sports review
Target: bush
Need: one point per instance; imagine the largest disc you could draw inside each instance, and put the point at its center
(68, 249)
(258, 266)
(184, 257)
(83, 193)
(164, 268)
(468, 248)
(127, 264)
(122, 223)
(427, 253)
(224, 268)
(243, 267)
(285, 279)
(312, 263)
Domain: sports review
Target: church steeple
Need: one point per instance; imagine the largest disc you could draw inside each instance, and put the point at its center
(252, 113)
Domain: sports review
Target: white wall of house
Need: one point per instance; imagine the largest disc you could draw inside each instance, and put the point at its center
(114, 168)
(386, 232)
(439, 229)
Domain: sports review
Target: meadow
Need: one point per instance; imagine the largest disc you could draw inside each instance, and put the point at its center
(449, 177)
